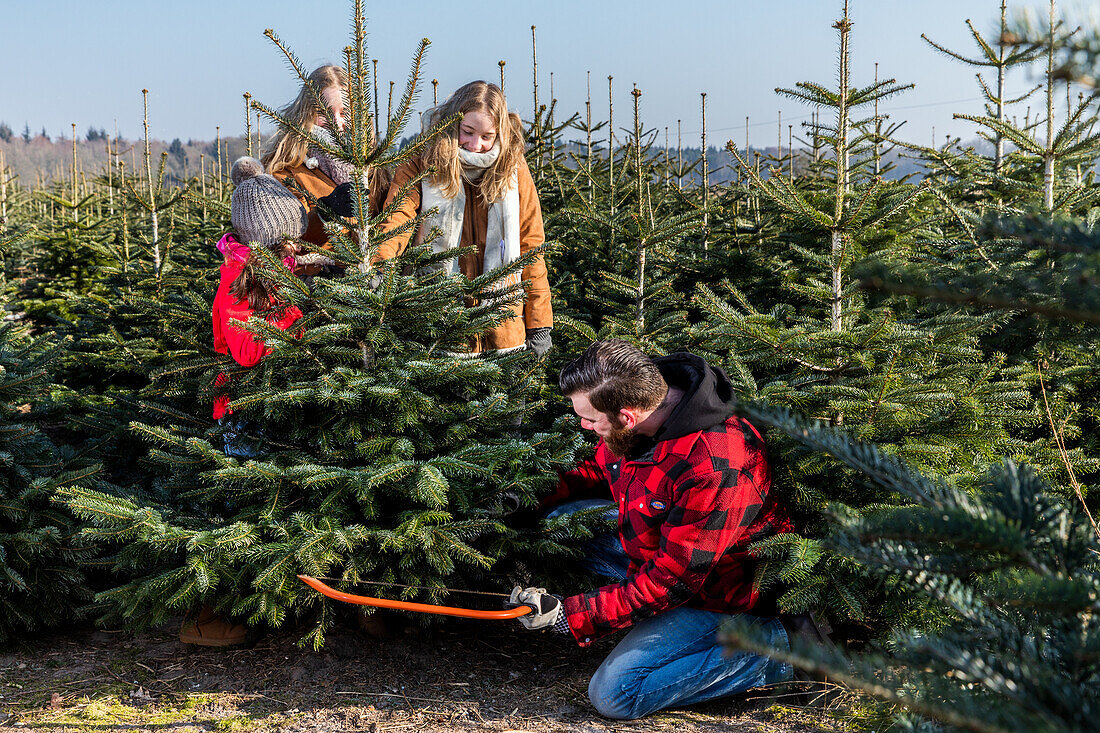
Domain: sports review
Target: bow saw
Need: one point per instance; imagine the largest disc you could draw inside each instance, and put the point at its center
(358, 600)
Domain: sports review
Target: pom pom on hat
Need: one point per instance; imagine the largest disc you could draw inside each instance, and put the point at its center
(245, 168)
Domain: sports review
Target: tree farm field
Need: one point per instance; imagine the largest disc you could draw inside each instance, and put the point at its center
(218, 376)
(461, 677)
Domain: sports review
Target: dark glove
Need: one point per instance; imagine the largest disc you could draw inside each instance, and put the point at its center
(340, 202)
(538, 340)
(547, 611)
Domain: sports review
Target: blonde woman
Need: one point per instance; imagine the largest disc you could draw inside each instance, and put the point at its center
(288, 156)
(483, 195)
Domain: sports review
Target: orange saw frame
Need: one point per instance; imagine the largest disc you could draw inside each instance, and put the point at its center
(410, 606)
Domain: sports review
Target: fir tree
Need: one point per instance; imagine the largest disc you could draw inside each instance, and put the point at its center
(1007, 564)
(94, 278)
(64, 253)
(42, 560)
(909, 378)
(384, 453)
(1012, 567)
(1002, 56)
(621, 259)
(1014, 237)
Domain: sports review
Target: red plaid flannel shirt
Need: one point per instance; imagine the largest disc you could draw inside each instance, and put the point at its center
(688, 511)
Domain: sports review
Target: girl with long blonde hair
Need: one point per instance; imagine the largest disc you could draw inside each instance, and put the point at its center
(482, 194)
(289, 157)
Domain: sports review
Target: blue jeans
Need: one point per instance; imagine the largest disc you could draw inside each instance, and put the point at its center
(603, 555)
(673, 658)
(236, 441)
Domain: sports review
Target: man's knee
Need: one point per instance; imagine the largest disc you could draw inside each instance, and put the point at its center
(608, 694)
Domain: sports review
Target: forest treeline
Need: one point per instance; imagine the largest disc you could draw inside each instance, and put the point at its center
(922, 352)
(43, 161)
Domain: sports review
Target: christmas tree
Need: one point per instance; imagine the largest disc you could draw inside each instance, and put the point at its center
(1011, 566)
(43, 562)
(625, 237)
(1014, 237)
(384, 451)
(1004, 561)
(910, 378)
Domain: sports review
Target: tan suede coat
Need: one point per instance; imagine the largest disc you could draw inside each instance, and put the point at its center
(318, 185)
(535, 311)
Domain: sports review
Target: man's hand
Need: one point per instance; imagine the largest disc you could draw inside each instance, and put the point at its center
(547, 611)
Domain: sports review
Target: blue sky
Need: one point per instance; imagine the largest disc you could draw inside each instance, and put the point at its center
(87, 62)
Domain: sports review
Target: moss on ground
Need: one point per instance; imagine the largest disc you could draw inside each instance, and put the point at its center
(220, 712)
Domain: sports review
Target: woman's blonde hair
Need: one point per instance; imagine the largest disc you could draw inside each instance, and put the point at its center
(285, 149)
(442, 154)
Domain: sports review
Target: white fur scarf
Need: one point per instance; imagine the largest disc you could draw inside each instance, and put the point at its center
(502, 233)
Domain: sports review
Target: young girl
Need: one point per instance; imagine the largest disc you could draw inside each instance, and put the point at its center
(287, 156)
(484, 196)
(266, 214)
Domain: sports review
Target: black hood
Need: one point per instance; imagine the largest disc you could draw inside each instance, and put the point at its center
(707, 400)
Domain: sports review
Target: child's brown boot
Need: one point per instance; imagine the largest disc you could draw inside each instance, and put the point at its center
(209, 628)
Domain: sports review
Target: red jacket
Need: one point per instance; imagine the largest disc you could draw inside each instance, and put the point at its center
(245, 348)
(689, 506)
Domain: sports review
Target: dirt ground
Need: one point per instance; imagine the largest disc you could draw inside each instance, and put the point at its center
(463, 676)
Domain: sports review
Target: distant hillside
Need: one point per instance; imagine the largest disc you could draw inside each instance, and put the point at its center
(44, 160)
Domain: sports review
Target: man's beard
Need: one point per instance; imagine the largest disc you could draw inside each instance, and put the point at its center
(621, 440)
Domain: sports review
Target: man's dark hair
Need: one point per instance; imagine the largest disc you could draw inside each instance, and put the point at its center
(614, 374)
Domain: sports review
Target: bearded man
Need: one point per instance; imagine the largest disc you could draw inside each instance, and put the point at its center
(689, 484)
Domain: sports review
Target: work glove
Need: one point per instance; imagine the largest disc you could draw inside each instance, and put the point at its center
(547, 612)
(340, 202)
(538, 340)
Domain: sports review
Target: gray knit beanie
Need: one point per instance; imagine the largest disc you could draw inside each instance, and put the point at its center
(263, 210)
